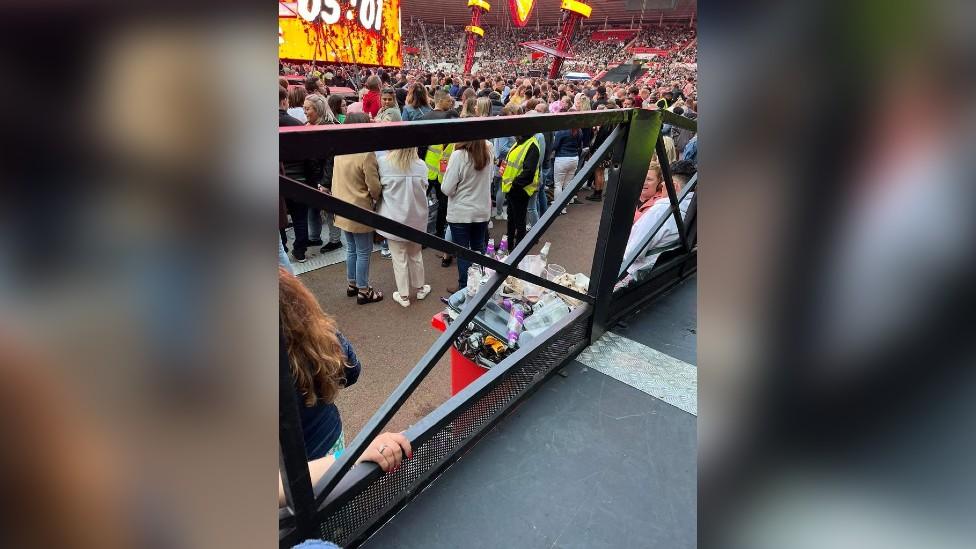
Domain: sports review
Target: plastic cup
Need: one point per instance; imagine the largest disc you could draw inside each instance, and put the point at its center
(554, 271)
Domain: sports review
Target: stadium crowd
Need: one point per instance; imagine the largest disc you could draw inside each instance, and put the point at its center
(422, 91)
(455, 191)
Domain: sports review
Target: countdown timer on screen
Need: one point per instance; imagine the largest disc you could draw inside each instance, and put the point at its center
(340, 31)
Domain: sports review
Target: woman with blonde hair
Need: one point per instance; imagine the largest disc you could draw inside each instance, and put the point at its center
(403, 178)
(322, 362)
(469, 108)
(484, 107)
(319, 176)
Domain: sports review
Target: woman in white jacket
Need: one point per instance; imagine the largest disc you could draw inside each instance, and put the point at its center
(403, 176)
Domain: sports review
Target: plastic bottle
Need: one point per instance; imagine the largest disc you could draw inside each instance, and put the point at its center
(544, 252)
(515, 321)
(491, 248)
(474, 280)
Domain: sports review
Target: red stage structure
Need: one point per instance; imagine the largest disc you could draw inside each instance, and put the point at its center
(474, 30)
(559, 47)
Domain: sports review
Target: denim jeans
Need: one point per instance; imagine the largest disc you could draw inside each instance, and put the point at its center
(283, 258)
(315, 225)
(499, 196)
(532, 213)
(299, 222)
(473, 236)
(359, 246)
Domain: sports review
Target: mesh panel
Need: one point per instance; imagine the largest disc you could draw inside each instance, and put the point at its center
(364, 508)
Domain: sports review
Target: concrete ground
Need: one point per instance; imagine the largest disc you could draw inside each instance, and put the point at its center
(390, 339)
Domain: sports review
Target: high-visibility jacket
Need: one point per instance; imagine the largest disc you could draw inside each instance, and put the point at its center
(662, 103)
(513, 166)
(436, 160)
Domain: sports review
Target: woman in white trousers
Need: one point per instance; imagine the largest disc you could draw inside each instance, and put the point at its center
(403, 176)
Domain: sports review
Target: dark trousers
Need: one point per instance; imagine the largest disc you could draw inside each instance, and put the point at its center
(518, 205)
(441, 226)
(473, 236)
(299, 222)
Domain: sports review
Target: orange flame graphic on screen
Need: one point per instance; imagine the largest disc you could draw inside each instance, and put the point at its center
(520, 10)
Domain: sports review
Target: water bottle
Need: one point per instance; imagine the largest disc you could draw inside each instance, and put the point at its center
(491, 248)
(474, 280)
(515, 321)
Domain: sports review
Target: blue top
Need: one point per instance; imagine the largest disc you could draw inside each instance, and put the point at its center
(411, 113)
(321, 425)
(502, 145)
(565, 144)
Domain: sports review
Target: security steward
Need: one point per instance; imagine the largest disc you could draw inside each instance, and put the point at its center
(520, 179)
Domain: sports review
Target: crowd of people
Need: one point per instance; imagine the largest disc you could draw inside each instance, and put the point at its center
(441, 172)
(455, 191)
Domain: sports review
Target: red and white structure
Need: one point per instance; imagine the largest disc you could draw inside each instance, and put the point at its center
(573, 12)
(474, 31)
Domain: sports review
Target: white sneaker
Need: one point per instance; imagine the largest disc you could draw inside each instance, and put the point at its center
(490, 224)
(503, 216)
(423, 292)
(400, 300)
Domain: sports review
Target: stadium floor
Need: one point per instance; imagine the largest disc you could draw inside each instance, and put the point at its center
(389, 339)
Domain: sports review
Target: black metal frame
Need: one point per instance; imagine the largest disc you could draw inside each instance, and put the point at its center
(630, 146)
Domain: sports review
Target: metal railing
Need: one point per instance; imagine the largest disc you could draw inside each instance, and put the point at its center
(348, 503)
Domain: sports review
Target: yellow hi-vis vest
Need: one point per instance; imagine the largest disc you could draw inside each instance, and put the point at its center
(436, 160)
(513, 166)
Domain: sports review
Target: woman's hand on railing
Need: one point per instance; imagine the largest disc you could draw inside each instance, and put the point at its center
(387, 450)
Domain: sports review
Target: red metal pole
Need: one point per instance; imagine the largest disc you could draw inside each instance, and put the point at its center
(477, 8)
(572, 19)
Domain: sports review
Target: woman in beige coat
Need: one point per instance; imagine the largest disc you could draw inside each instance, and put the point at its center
(355, 179)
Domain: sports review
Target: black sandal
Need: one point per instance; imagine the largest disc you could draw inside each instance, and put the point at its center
(369, 295)
(352, 290)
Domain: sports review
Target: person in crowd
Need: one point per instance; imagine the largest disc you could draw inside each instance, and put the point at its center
(501, 146)
(322, 362)
(483, 107)
(318, 174)
(567, 148)
(682, 172)
(538, 206)
(436, 158)
(599, 174)
(296, 103)
(469, 108)
(284, 117)
(403, 178)
(389, 111)
(669, 146)
(520, 180)
(652, 190)
(338, 107)
(665, 101)
(496, 103)
(283, 240)
(297, 210)
(689, 88)
(355, 179)
(312, 85)
(417, 103)
(371, 100)
(691, 151)
(467, 185)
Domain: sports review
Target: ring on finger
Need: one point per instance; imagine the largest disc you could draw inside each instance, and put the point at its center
(382, 447)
